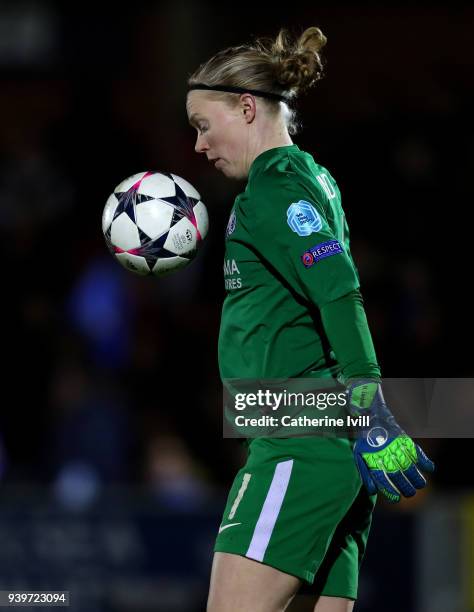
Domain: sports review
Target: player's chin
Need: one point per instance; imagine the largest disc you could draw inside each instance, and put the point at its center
(229, 172)
(226, 172)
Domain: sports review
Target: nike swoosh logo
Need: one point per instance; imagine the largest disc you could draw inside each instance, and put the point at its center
(222, 527)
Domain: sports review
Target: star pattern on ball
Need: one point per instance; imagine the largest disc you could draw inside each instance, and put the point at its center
(152, 249)
(183, 205)
(127, 203)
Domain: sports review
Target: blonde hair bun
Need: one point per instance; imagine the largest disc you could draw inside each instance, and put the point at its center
(298, 64)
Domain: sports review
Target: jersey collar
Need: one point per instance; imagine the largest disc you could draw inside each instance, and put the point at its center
(270, 154)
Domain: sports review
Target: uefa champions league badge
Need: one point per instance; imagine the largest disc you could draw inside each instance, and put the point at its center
(303, 218)
(231, 224)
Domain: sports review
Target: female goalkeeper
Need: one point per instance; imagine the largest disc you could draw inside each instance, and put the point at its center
(298, 511)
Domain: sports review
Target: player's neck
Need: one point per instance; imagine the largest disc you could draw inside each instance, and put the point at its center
(279, 138)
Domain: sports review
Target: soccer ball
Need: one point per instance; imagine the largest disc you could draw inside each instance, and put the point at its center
(154, 223)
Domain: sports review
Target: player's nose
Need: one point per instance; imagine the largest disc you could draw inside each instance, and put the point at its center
(201, 144)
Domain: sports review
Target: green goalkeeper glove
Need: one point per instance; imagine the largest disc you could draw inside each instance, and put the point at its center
(388, 460)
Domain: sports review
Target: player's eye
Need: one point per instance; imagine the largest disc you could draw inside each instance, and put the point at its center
(202, 128)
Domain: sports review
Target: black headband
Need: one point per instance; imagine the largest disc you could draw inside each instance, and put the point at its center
(241, 90)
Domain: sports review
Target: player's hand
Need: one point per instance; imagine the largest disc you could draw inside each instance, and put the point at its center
(388, 460)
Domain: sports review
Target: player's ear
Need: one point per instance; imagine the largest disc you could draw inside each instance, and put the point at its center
(248, 107)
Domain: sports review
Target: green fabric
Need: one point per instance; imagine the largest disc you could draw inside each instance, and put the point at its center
(319, 532)
(271, 325)
(345, 324)
(363, 395)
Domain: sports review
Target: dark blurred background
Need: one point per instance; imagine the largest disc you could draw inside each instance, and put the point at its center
(114, 471)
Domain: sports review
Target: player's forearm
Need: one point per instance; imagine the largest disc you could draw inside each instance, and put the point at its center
(346, 327)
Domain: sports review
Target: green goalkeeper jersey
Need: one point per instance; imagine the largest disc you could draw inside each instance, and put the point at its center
(287, 255)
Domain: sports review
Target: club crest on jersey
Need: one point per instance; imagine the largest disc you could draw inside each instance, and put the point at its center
(321, 251)
(231, 224)
(303, 218)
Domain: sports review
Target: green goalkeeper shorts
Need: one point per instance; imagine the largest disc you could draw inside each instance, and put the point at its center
(298, 505)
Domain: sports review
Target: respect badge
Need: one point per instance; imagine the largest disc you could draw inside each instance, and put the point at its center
(321, 251)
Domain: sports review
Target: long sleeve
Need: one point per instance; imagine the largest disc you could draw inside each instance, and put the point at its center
(347, 329)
